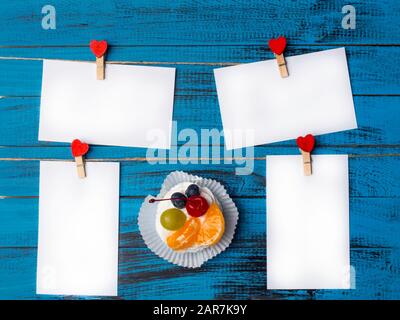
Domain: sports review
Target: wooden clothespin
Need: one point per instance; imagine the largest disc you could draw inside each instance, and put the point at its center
(99, 49)
(278, 46)
(79, 149)
(306, 145)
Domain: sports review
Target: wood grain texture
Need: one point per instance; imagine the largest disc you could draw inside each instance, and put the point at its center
(143, 275)
(182, 22)
(377, 119)
(196, 37)
(374, 222)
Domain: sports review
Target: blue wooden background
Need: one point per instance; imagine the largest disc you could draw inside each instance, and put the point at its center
(196, 37)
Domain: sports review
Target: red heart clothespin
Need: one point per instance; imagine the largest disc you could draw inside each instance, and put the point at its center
(306, 145)
(99, 49)
(79, 149)
(277, 47)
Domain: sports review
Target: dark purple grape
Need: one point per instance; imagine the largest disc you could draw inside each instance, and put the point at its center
(178, 200)
(192, 190)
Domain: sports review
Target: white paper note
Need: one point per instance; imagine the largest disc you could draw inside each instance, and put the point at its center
(258, 106)
(78, 229)
(308, 223)
(132, 107)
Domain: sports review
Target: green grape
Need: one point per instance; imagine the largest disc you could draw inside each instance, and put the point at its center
(173, 219)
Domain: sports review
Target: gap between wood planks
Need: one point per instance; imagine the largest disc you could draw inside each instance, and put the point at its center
(232, 196)
(144, 159)
(131, 62)
(245, 44)
(352, 248)
(214, 94)
(271, 146)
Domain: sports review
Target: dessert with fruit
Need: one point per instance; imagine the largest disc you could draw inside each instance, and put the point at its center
(189, 218)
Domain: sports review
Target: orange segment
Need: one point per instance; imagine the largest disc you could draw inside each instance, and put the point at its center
(186, 236)
(213, 227)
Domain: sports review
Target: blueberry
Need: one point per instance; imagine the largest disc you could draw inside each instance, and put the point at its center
(192, 190)
(178, 200)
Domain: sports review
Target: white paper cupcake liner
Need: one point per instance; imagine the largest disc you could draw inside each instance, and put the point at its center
(147, 224)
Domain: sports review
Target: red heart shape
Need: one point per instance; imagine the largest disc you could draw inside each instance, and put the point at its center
(277, 45)
(306, 143)
(78, 148)
(98, 48)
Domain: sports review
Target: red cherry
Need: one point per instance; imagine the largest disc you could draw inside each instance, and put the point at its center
(196, 206)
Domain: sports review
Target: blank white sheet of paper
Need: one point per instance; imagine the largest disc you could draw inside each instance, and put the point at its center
(131, 107)
(258, 106)
(308, 223)
(78, 229)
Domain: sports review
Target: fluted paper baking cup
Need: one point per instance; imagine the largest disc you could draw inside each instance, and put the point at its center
(147, 223)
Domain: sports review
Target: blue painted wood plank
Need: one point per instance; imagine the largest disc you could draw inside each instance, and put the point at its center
(375, 222)
(371, 72)
(185, 22)
(377, 118)
(228, 276)
(369, 177)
